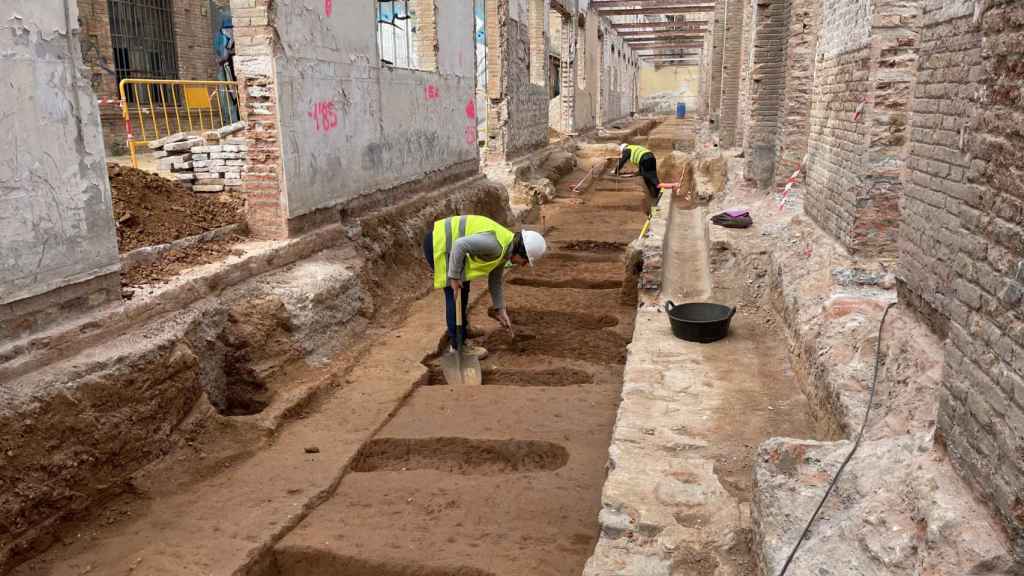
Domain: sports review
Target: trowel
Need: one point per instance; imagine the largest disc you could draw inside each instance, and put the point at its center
(460, 369)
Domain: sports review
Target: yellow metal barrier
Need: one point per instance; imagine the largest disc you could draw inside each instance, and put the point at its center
(153, 109)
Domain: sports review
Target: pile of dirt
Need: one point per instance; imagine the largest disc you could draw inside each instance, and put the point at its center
(150, 209)
(177, 260)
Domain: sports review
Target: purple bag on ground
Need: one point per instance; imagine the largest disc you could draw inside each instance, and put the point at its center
(733, 218)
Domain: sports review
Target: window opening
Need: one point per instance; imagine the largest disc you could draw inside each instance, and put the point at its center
(142, 38)
(396, 33)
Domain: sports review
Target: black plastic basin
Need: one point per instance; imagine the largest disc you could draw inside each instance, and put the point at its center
(699, 321)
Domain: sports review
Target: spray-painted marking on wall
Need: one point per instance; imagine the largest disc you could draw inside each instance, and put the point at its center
(471, 134)
(430, 92)
(471, 109)
(324, 117)
(328, 7)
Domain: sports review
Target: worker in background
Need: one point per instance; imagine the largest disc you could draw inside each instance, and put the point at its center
(647, 166)
(460, 249)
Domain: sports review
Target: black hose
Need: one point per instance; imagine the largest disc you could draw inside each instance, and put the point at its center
(856, 443)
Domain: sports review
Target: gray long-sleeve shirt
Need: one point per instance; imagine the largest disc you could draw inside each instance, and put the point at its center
(482, 246)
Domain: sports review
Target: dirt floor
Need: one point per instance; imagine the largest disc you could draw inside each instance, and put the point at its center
(505, 478)
(402, 474)
(150, 209)
(501, 479)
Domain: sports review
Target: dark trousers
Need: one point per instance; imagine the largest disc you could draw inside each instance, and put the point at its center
(648, 169)
(449, 297)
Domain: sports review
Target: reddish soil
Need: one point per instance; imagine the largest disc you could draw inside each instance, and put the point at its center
(151, 210)
(178, 260)
(504, 478)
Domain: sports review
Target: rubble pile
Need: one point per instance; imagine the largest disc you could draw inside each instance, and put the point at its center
(211, 162)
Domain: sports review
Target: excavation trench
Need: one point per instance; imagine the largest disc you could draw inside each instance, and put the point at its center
(504, 478)
(388, 471)
(526, 377)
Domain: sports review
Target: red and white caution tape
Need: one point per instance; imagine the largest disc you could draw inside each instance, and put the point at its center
(860, 109)
(789, 184)
(108, 101)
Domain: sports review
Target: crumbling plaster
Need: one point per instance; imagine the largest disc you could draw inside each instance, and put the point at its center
(56, 226)
(384, 126)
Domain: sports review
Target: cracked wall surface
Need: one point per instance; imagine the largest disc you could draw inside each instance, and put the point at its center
(330, 123)
(56, 228)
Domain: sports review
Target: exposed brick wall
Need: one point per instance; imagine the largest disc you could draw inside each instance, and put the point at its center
(517, 115)
(794, 119)
(854, 176)
(426, 34)
(193, 33)
(717, 53)
(962, 239)
(267, 213)
(567, 74)
(837, 142)
(733, 38)
(538, 42)
(704, 91)
(767, 87)
(746, 66)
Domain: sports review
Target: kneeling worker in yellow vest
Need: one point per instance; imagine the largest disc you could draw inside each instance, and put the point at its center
(464, 248)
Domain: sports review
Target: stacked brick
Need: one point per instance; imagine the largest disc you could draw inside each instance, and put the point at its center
(213, 162)
(254, 64)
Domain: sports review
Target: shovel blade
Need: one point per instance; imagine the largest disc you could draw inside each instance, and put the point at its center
(461, 369)
(451, 366)
(471, 375)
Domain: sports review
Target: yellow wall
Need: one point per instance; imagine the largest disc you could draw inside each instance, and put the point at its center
(661, 88)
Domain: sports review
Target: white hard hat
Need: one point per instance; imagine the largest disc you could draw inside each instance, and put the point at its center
(535, 246)
(622, 146)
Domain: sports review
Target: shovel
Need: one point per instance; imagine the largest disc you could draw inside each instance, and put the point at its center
(460, 369)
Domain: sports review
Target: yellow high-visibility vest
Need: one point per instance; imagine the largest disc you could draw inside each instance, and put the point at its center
(448, 230)
(636, 152)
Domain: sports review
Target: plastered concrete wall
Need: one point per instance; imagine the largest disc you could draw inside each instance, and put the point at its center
(588, 56)
(961, 257)
(56, 223)
(349, 126)
(618, 75)
(661, 88)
